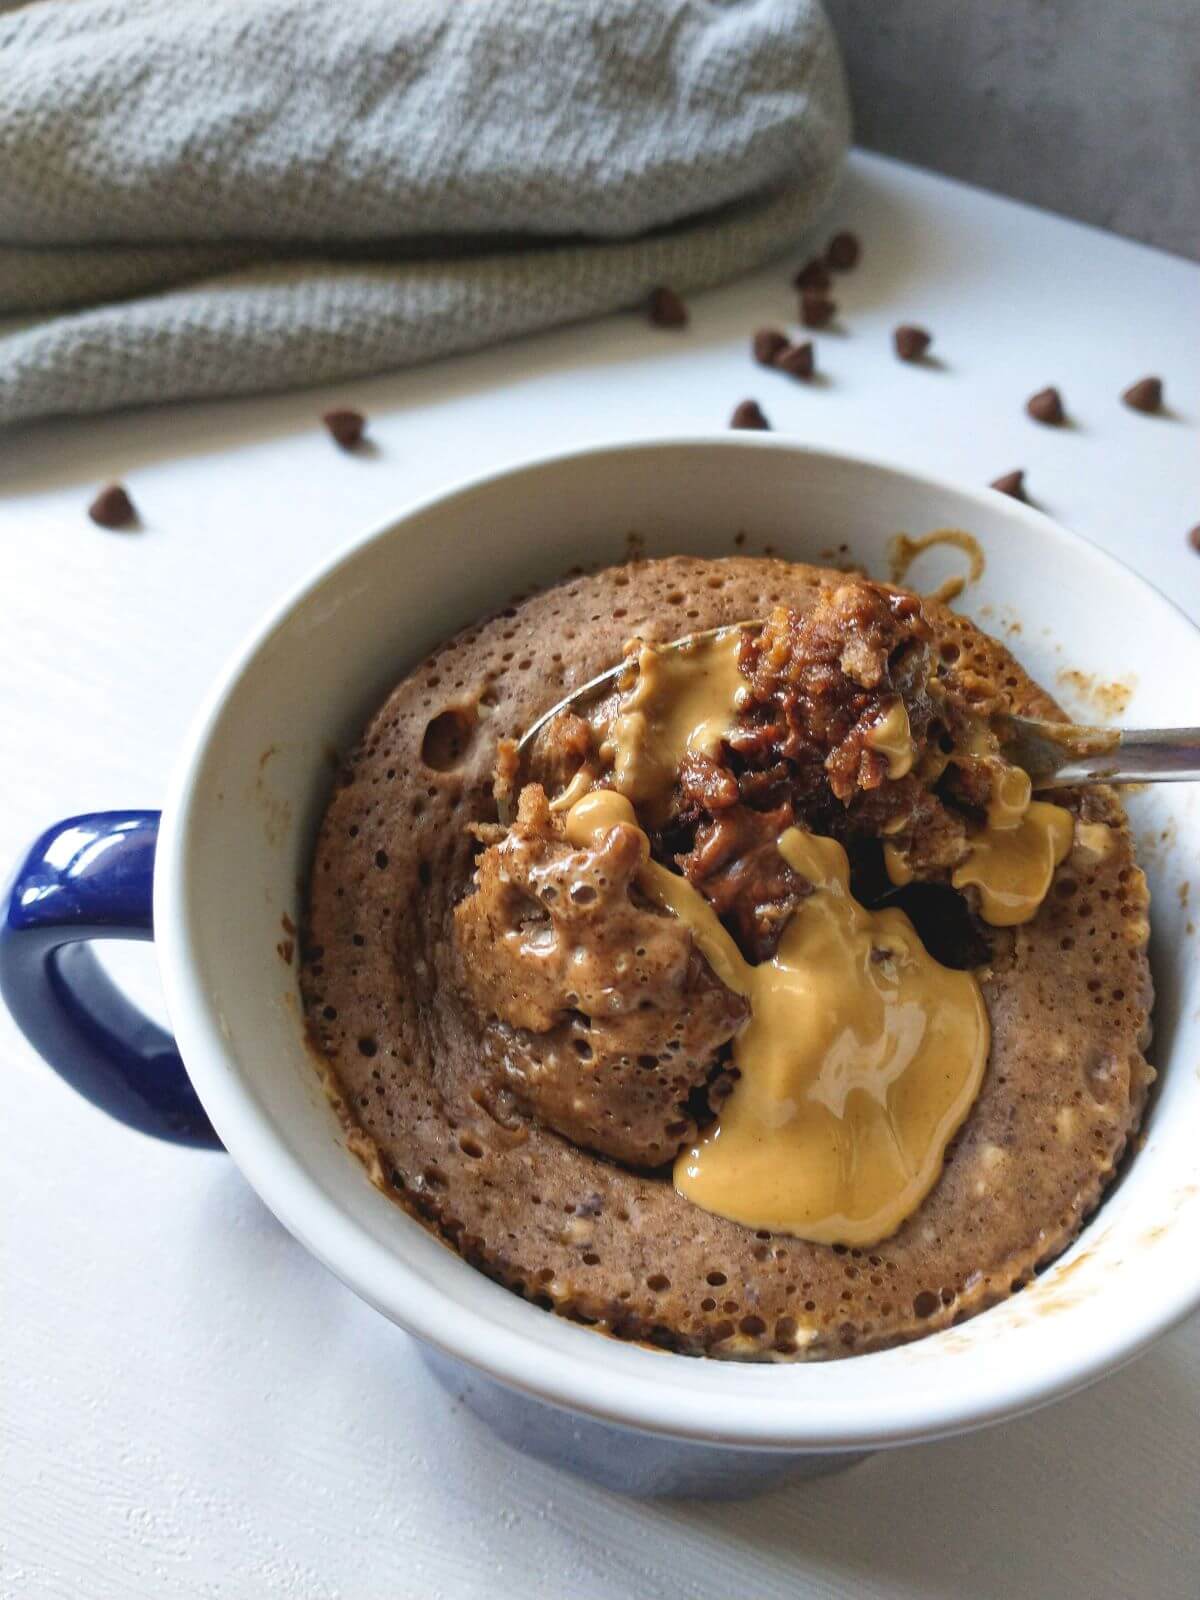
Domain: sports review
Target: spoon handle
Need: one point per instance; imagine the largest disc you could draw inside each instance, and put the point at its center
(1057, 756)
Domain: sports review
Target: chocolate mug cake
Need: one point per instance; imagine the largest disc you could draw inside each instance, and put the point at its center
(755, 1008)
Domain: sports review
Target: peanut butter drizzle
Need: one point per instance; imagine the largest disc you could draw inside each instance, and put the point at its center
(1011, 794)
(683, 700)
(591, 818)
(581, 782)
(1011, 860)
(1012, 866)
(860, 1058)
(896, 863)
(892, 737)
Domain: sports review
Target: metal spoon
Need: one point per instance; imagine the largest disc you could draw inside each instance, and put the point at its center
(1056, 755)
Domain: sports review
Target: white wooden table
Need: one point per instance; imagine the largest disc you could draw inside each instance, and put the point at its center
(189, 1405)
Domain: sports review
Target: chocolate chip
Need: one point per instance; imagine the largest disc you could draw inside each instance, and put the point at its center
(1194, 538)
(345, 427)
(767, 344)
(813, 274)
(667, 310)
(796, 360)
(1046, 406)
(843, 252)
(911, 342)
(816, 309)
(1012, 483)
(112, 508)
(748, 414)
(1144, 395)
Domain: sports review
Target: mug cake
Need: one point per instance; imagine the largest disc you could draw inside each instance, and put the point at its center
(754, 1007)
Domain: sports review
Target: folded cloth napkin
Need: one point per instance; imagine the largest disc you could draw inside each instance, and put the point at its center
(206, 197)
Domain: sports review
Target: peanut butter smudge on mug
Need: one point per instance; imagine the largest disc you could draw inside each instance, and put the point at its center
(859, 1061)
(904, 550)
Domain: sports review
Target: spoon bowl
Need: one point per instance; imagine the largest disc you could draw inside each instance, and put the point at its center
(1056, 755)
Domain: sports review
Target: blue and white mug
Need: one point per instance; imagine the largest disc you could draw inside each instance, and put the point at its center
(218, 880)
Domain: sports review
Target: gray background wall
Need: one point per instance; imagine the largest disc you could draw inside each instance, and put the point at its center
(1089, 107)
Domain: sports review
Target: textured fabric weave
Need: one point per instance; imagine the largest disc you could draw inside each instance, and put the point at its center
(204, 197)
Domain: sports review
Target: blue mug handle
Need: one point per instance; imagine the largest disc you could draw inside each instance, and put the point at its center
(91, 877)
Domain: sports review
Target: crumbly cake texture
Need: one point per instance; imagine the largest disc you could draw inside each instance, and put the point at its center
(1069, 997)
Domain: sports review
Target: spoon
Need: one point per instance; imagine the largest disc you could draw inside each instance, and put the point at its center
(1056, 755)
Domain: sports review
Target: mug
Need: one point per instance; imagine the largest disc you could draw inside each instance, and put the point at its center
(218, 882)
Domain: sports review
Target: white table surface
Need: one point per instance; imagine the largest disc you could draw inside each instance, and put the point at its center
(189, 1405)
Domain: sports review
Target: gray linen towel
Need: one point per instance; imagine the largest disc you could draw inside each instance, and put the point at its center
(205, 197)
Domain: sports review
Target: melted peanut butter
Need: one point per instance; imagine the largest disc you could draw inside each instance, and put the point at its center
(892, 737)
(1011, 860)
(590, 818)
(1011, 794)
(860, 1058)
(896, 863)
(683, 700)
(1012, 866)
(580, 784)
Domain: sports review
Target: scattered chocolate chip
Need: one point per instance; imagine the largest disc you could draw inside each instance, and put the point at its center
(796, 360)
(667, 310)
(816, 309)
(911, 342)
(345, 427)
(112, 508)
(1144, 395)
(813, 274)
(1194, 538)
(1046, 406)
(768, 343)
(748, 414)
(1012, 483)
(843, 252)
